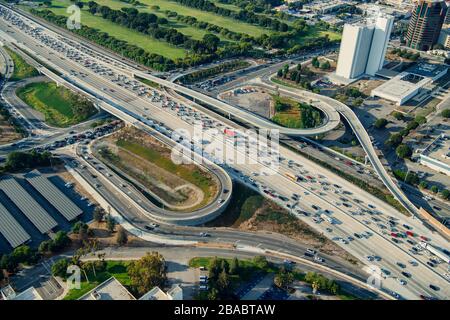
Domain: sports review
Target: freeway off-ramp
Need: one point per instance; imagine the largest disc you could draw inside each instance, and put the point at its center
(378, 243)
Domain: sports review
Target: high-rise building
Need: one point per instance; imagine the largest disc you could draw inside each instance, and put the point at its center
(425, 24)
(363, 47)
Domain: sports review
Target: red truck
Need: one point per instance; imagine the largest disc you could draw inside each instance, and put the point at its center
(229, 132)
(409, 233)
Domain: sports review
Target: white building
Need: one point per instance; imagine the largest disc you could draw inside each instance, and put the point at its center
(30, 294)
(363, 47)
(175, 293)
(409, 83)
(437, 155)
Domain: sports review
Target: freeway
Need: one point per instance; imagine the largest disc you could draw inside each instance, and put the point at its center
(326, 195)
(162, 214)
(331, 121)
(361, 134)
(219, 239)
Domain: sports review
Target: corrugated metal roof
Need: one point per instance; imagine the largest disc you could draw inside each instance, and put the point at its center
(29, 207)
(11, 229)
(53, 195)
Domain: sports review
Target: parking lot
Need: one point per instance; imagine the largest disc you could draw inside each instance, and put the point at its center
(62, 223)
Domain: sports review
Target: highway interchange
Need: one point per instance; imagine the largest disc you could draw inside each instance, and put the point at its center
(325, 191)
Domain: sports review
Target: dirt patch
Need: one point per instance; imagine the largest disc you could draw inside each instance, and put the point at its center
(7, 132)
(249, 211)
(253, 99)
(270, 217)
(142, 158)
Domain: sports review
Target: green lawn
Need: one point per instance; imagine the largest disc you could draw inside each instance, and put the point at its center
(122, 33)
(195, 176)
(117, 269)
(210, 17)
(296, 115)
(60, 106)
(186, 29)
(22, 70)
(247, 267)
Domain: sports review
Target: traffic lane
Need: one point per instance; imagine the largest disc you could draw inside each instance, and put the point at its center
(160, 212)
(267, 241)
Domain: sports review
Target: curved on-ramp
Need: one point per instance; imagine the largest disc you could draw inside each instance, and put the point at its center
(331, 107)
(363, 138)
(332, 118)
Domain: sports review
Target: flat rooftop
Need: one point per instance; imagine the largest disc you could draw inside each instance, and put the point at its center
(401, 85)
(439, 150)
(430, 70)
(111, 289)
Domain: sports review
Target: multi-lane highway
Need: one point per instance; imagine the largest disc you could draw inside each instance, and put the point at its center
(354, 211)
(163, 214)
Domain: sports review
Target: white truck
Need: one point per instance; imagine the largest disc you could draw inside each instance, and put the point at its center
(438, 253)
(327, 218)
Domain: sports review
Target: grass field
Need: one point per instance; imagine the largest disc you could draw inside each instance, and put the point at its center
(188, 30)
(7, 132)
(117, 269)
(224, 22)
(194, 176)
(294, 116)
(60, 106)
(22, 70)
(122, 33)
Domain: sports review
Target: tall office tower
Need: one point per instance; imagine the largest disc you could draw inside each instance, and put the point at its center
(425, 24)
(381, 33)
(363, 47)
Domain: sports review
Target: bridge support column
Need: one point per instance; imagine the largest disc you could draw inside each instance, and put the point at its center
(366, 160)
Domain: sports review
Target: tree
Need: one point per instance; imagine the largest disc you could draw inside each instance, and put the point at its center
(224, 266)
(445, 194)
(283, 279)
(394, 140)
(380, 123)
(213, 294)
(44, 246)
(60, 241)
(80, 227)
(147, 272)
(98, 214)
(423, 184)
(358, 102)
(445, 113)
(59, 268)
(315, 62)
(397, 115)
(214, 268)
(261, 262)
(325, 65)
(8, 263)
(234, 266)
(280, 73)
(122, 237)
(24, 254)
(421, 120)
(223, 283)
(434, 189)
(403, 151)
(110, 223)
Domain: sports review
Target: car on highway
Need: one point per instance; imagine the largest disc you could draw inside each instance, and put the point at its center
(204, 234)
(433, 287)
